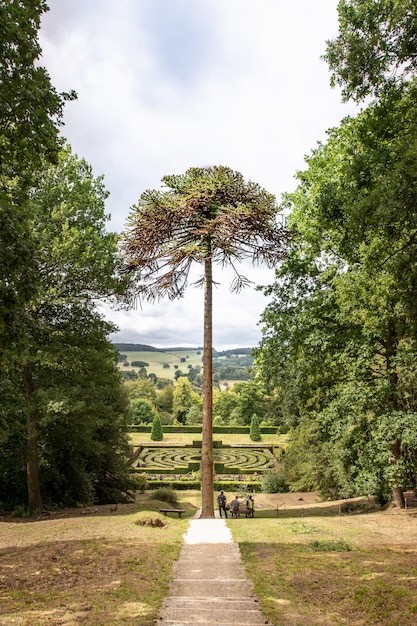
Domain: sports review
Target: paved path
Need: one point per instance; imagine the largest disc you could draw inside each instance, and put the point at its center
(209, 584)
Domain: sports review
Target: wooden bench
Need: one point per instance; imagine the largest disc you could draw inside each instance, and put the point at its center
(178, 511)
(243, 511)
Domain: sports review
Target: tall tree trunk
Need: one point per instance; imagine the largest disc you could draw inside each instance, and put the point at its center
(32, 462)
(207, 508)
(397, 492)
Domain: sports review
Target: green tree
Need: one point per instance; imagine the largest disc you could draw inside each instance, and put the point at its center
(76, 262)
(224, 404)
(165, 398)
(343, 311)
(143, 388)
(194, 415)
(207, 215)
(157, 434)
(30, 117)
(141, 411)
(255, 431)
(251, 400)
(184, 398)
(81, 418)
(376, 48)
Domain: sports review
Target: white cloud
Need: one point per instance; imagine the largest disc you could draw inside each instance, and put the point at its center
(168, 84)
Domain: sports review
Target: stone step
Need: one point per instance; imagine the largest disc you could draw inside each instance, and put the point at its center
(208, 588)
(209, 585)
(212, 602)
(200, 615)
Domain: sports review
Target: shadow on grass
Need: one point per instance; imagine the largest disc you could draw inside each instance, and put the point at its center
(326, 582)
(146, 504)
(331, 509)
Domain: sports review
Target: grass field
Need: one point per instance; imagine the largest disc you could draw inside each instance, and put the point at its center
(172, 358)
(310, 565)
(139, 439)
(315, 568)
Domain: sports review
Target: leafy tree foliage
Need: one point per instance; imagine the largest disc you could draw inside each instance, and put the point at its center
(255, 431)
(74, 261)
(30, 116)
(183, 399)
(236, 406)
(339, 339)
(141, 411)
(165, 399)
(376, 48)
(81, 418)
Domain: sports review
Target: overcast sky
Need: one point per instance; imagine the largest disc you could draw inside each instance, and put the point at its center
(164, 85)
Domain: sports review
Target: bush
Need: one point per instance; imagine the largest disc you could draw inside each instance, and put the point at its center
(175, 484)
(157, 432)
(165, 494)
(255, 432)
(274, 482)
(141, 482)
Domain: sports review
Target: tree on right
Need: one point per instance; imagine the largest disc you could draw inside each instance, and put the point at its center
(339, 340)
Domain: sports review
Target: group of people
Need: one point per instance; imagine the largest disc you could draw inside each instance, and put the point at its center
(235, 506)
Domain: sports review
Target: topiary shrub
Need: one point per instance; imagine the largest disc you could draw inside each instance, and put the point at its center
(255, 431)
(157, 434)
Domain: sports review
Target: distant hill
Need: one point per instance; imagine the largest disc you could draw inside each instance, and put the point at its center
(135, 347)
(140, 347)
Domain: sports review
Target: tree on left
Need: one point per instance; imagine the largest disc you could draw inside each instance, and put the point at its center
(58, 377)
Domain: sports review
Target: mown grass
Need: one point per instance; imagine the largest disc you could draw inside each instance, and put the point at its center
(92, 567)
(353, 569)
(310, 565)
(172, 358)
(188, 438)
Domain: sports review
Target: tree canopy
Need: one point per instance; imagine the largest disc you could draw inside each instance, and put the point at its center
(30, 118)
(205, 213)
(376, 47)
(339, 337)
(47, 374)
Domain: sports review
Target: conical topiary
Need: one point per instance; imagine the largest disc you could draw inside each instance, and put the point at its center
(157, 434)
(255, 431)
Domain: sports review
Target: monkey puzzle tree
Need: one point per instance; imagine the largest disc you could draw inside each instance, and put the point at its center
(207, 215)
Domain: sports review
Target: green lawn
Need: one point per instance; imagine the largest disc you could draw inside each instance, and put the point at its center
(138, 439)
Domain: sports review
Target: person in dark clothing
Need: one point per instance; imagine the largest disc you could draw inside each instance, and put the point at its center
(221, 500)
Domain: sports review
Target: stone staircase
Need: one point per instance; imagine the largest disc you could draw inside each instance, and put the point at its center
(209, 584)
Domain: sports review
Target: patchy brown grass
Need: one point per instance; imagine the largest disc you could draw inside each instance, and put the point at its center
(313, 564)
(92, 566)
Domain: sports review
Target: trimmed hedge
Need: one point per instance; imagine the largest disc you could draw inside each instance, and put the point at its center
(183, 485)
(179, 485)
(233, 485)
(227, 430)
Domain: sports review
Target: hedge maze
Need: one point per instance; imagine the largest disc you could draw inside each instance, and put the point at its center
(185, 460)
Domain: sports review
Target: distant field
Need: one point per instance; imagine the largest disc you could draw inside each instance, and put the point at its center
(157, 360)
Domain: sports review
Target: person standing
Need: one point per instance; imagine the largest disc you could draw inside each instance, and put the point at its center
(221, 500)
